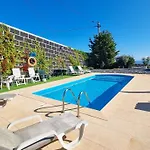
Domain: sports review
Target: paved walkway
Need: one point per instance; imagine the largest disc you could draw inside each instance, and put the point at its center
(123, 124)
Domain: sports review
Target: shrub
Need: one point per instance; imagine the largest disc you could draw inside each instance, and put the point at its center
(124, 61)
(146, 61)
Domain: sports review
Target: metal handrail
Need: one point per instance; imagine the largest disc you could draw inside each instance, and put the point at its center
(78, 102)
(63, 99)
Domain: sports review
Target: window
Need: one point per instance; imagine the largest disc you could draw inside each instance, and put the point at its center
(17, 37)
(54, 48)
(28, 40)
(55, 45)
(14, 31)
(32, 37)
(42, 44)
(21, 44)
(46, 42)
(48, 46)
(33, 41)
(18, 47)
(47, 50)
(39, 39)
(23, 34)
(16, 42)
(51, 43)
(33, 46)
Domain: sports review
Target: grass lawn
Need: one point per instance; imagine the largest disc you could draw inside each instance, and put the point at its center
(14, 87)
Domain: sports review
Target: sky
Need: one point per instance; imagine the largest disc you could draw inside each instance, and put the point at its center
(70, 22)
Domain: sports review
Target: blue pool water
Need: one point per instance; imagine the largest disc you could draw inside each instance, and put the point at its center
(100, 89)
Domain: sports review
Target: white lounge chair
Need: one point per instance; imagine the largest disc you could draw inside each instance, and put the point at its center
(4, 98)
(7, 96)
(19, 79)
(7, 81)
(72, 71)
(83, 71)
(42, 133)
(34, 76)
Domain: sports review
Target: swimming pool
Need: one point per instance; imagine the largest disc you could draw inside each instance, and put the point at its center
(100, 89)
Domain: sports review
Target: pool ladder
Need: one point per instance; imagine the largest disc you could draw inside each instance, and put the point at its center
(76, 99)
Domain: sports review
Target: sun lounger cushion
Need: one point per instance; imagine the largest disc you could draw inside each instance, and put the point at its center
(8, 139)
(33, 131)
(59, 124)
(3, 148)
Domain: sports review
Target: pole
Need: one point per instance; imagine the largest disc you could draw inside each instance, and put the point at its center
(98, 27)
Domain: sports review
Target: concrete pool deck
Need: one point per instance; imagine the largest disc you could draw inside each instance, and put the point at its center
(123, 124)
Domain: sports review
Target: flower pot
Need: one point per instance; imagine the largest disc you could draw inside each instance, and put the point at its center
(44, 79)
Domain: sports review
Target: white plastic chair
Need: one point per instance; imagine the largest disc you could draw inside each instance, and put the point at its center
(35, 76)
(72, 71)
(19, 79)
(83, 71)
(80, 69)
(7, 81)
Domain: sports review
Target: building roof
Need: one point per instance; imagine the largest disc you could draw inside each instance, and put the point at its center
(32, 34)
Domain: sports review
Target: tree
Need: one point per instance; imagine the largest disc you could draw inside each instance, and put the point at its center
(130, 62)
(103, 50)
(75, 61)
(81, 57)
(10, 56)
(146, 61)
(60, 62)
(125, 61)
(43, 63)
(77, 58)
(72, 60)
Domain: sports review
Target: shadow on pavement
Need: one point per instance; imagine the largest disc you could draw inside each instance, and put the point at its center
(143, 106)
